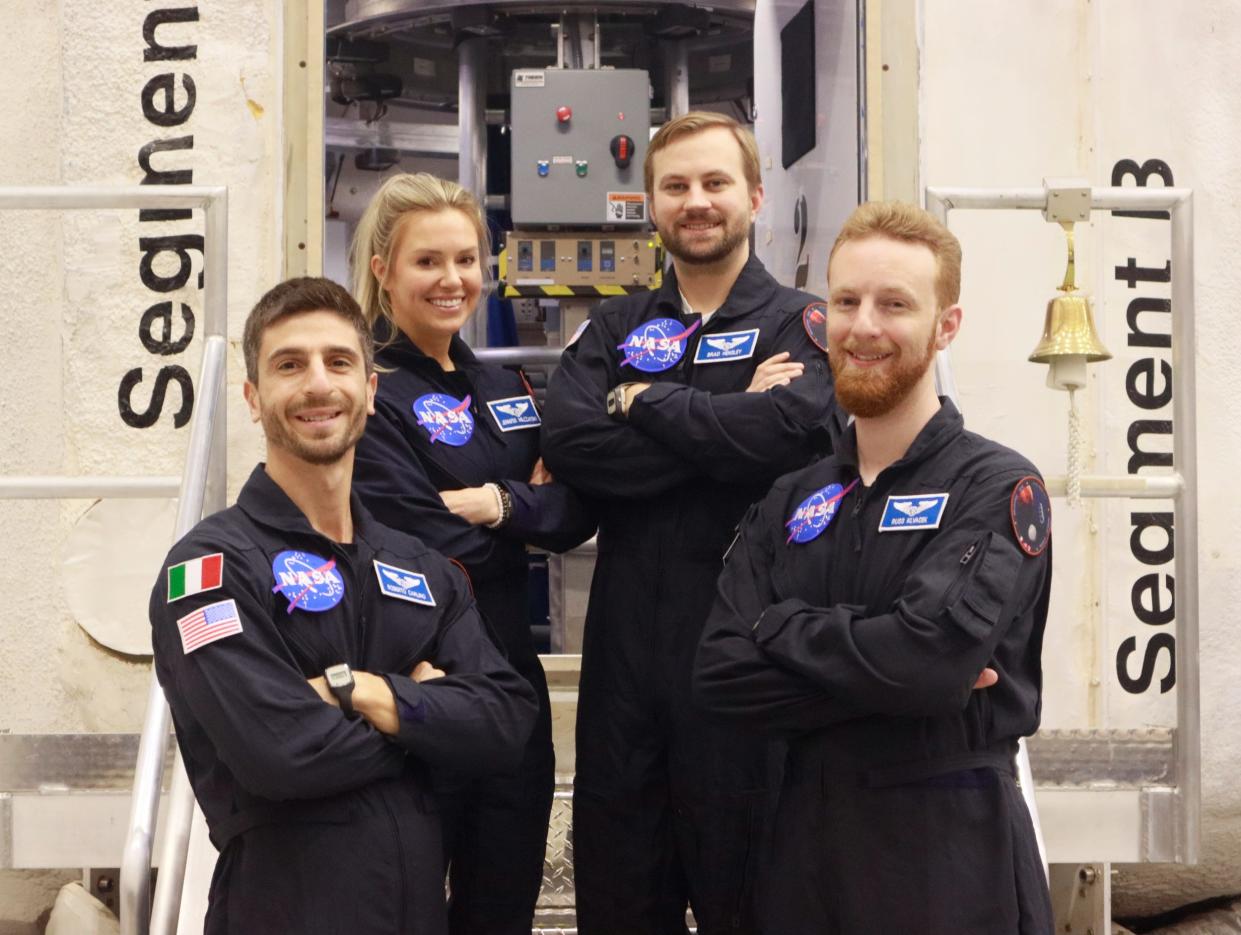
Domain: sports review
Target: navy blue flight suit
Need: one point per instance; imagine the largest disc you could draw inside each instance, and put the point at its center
(858, 638)
(668, 806)
(495, 827)
(325, 825)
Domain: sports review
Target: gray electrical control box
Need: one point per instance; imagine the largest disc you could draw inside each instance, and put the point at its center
(578, 140)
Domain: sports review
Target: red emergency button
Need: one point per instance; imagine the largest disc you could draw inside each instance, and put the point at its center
(564, 114)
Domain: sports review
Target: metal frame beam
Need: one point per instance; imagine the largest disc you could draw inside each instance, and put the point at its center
(1179, 840)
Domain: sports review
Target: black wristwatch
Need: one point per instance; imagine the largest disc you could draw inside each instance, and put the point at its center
(340, 682)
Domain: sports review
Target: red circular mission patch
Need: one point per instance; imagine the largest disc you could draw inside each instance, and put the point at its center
(814, 320)
(1030, 509)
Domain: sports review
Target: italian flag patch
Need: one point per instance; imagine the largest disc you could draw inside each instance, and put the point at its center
(195, 576)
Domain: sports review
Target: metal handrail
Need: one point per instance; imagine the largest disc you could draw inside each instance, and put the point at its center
(202, 482)
(1181, 487)
(47, 487)
(203, 488)
(534, 356)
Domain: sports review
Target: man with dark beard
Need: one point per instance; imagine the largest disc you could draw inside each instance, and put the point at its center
(317, 664)
(659, 414)
(857, 608)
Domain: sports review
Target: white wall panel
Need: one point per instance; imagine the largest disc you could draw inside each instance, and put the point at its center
(1015, 92)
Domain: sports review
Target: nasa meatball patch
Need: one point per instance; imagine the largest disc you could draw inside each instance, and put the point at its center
(307, 581)
(446, 418)
(815, 513)
(656, 345)
(1030, 508)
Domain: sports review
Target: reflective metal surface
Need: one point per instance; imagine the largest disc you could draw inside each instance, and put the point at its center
(367, 14)
(69, 762)
(1130, 758)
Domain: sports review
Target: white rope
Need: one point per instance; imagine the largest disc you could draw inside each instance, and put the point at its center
(1074, 480)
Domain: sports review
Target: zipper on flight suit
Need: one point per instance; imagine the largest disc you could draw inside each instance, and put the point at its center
(854, 525)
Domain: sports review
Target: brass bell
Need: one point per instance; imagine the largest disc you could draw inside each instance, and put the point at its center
(1068, 329)
(1069, 337)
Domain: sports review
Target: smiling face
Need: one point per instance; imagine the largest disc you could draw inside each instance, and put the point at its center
(435, 276)
(702, 205)
(884, 324)
(312, 393)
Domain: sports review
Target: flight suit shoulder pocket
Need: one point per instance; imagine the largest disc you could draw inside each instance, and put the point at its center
(990, 568)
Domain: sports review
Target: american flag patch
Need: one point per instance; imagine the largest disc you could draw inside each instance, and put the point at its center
(208, 624)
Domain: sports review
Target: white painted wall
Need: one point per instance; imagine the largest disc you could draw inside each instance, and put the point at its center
(1012, 93)
(70, 302)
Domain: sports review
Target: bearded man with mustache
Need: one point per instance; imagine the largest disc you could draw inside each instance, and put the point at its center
(884, 610)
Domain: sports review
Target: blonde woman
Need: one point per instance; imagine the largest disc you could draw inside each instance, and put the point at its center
(451, 456)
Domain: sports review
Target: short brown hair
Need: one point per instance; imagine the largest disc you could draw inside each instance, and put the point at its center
(294, 296)
(899, 220)
(695, 122)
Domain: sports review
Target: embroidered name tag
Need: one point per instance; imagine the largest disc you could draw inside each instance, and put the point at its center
(916, 511)
(516, 412)
(406, 585)
(732, 345)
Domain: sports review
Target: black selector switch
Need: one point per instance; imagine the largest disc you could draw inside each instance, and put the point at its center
(622, 150)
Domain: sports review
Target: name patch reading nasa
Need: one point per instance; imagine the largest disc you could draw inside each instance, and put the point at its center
(1030, 509)
(815, 513)
(656, 345)
(516, 412)
(814, 320)
(731, 345)
(913, 512)
(446, 418)
(307, 581)
(406, 585)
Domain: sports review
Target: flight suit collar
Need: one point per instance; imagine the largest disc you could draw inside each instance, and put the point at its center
(942, 428)
(265, 502)
(395, 349)
(753, 289)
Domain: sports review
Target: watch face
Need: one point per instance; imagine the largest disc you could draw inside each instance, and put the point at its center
(338, 676)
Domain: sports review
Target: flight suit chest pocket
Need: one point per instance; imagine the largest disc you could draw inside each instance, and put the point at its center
(989, 572)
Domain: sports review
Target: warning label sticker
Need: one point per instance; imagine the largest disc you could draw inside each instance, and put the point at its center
(626, 206)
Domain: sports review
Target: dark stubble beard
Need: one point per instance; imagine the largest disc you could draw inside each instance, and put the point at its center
(321, 452)
(734, 236)
(868, 394)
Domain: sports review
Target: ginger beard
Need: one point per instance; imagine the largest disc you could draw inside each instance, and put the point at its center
(873, 392)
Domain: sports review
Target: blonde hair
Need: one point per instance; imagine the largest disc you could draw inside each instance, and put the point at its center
(379, 232)
(899, 220)
(695, 122)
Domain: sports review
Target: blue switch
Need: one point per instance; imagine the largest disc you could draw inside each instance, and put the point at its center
(544, 168)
